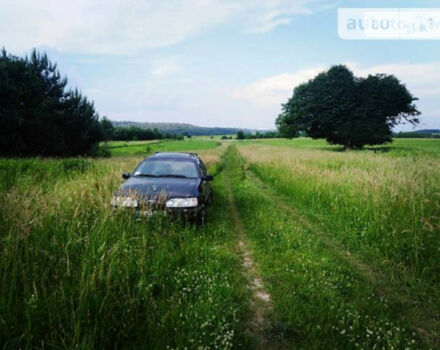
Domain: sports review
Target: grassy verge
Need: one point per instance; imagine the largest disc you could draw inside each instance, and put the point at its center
(74, 274)
(319, 301)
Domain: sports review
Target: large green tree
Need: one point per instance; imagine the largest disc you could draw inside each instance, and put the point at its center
(347, 110)
(38, 114)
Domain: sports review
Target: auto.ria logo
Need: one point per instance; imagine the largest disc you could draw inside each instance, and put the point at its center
(389, 23)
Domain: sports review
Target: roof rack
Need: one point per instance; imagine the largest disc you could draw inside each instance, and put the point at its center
(191, 154)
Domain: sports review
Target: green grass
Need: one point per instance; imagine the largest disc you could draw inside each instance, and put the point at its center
(399, 147)
(131, 148)
(383, 209)
(346, 244)
(74, 274)
(320, 301)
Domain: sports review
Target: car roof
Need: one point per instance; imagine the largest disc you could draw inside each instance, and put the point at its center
(174, 155)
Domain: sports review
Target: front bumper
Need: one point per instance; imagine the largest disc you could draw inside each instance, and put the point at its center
(162, 211)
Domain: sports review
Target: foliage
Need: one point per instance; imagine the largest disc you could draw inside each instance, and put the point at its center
(240, 135)
(179, 128)
(38, 114)
(415, 134)
(347, 110)
(258, 135)
(134, 133)
(107, 129)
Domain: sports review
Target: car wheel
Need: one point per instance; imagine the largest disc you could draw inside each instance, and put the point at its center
(201, 217)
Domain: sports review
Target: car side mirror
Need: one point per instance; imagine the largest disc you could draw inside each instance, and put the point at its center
(126, 175)
(208, 178)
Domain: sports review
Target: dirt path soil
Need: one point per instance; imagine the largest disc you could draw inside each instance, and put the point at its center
(261, 300)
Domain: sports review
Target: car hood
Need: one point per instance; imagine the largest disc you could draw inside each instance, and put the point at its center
(149, 187)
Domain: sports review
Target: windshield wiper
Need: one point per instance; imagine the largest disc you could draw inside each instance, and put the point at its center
(147, 175)
(172, 175)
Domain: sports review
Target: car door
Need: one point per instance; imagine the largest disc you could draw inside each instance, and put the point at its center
(206, 185)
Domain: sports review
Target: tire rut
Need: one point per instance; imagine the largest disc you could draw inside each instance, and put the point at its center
(261, 300)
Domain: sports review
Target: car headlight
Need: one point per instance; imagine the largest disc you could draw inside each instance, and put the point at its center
(128, 202)
(182, 202)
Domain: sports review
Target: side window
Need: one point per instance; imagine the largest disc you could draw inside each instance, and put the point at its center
(202, 168)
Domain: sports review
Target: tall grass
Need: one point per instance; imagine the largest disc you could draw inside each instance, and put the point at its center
(319, 301)
(76, 274)
(373, 203)
(385, 209)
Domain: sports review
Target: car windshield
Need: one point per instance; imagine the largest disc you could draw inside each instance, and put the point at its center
(167, 168)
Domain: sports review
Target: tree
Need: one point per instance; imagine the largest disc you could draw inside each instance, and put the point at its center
(38, 115)
(80, 126)
(107, 129)
(347, 110)
(240, 135)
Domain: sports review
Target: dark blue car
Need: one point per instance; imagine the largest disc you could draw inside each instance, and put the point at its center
(167, 182)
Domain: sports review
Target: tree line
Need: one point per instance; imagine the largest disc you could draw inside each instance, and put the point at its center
(241, 135)
(416, 135)
(41, 115)
(134, 133)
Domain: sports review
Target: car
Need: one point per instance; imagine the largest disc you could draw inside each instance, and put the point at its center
(175, 183)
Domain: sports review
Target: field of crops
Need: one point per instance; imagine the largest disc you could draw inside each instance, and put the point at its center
(306, 247)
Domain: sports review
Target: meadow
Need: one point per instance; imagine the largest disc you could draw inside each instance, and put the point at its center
(132, 148)
(346, 246)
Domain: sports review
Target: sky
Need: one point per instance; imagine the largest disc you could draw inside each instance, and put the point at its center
(228, 63)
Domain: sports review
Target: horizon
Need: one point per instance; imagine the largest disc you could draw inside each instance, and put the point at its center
(238, 128)
(215, 64)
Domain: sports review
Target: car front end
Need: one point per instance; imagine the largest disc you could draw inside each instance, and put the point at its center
(147, 206)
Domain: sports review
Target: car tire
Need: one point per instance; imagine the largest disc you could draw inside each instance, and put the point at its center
(201, 217)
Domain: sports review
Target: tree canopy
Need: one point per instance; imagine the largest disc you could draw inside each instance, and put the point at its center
(39, 115)
(347, 110)
(240, 135)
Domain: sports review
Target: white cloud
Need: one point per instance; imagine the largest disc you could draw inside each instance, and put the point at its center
(269, 14)
(127, 26)
(421, 79)
(164, 69)
(267, 94)
(275, 89)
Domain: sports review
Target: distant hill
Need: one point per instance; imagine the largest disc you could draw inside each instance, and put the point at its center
(182, 128)
(424, 133)
(428, 131)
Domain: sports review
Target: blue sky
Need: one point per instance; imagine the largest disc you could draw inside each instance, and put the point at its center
(210, 62)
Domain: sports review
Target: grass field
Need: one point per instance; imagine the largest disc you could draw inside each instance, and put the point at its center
(133, 148)
(306, 247)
